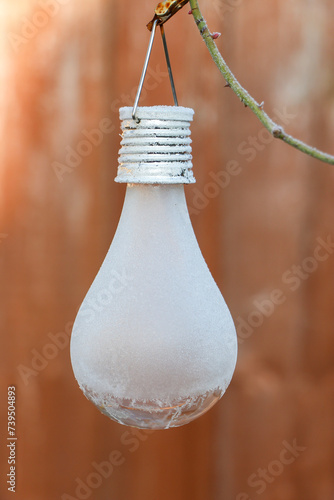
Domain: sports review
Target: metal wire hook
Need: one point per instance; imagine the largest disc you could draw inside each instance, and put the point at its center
(142, 78)
(171, 79)
(147, 58)
(165, 10)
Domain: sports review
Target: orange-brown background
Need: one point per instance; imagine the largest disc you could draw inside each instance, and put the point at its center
(68, 76)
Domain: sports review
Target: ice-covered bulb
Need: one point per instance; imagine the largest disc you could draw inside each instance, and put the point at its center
(154, 345)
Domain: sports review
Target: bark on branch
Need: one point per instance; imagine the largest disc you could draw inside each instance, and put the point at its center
(275, 129)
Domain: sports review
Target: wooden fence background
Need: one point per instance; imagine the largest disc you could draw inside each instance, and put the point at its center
(66, 65)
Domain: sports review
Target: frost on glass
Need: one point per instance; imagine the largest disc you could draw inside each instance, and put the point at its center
(154, 344)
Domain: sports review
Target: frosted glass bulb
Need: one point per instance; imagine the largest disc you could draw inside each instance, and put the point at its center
(153, 344)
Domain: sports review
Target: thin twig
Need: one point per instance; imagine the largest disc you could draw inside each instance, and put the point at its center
(276, 130)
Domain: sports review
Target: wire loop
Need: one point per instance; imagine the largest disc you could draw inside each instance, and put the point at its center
(163, 12)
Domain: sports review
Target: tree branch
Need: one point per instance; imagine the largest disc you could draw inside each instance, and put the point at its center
(276, 130)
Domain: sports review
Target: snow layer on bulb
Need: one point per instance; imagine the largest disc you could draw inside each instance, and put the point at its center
(158, 112)
(154, 328)
(156, 148)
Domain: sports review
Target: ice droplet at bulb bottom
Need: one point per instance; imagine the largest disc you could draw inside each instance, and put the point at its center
(153, 414)
(154, 345)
